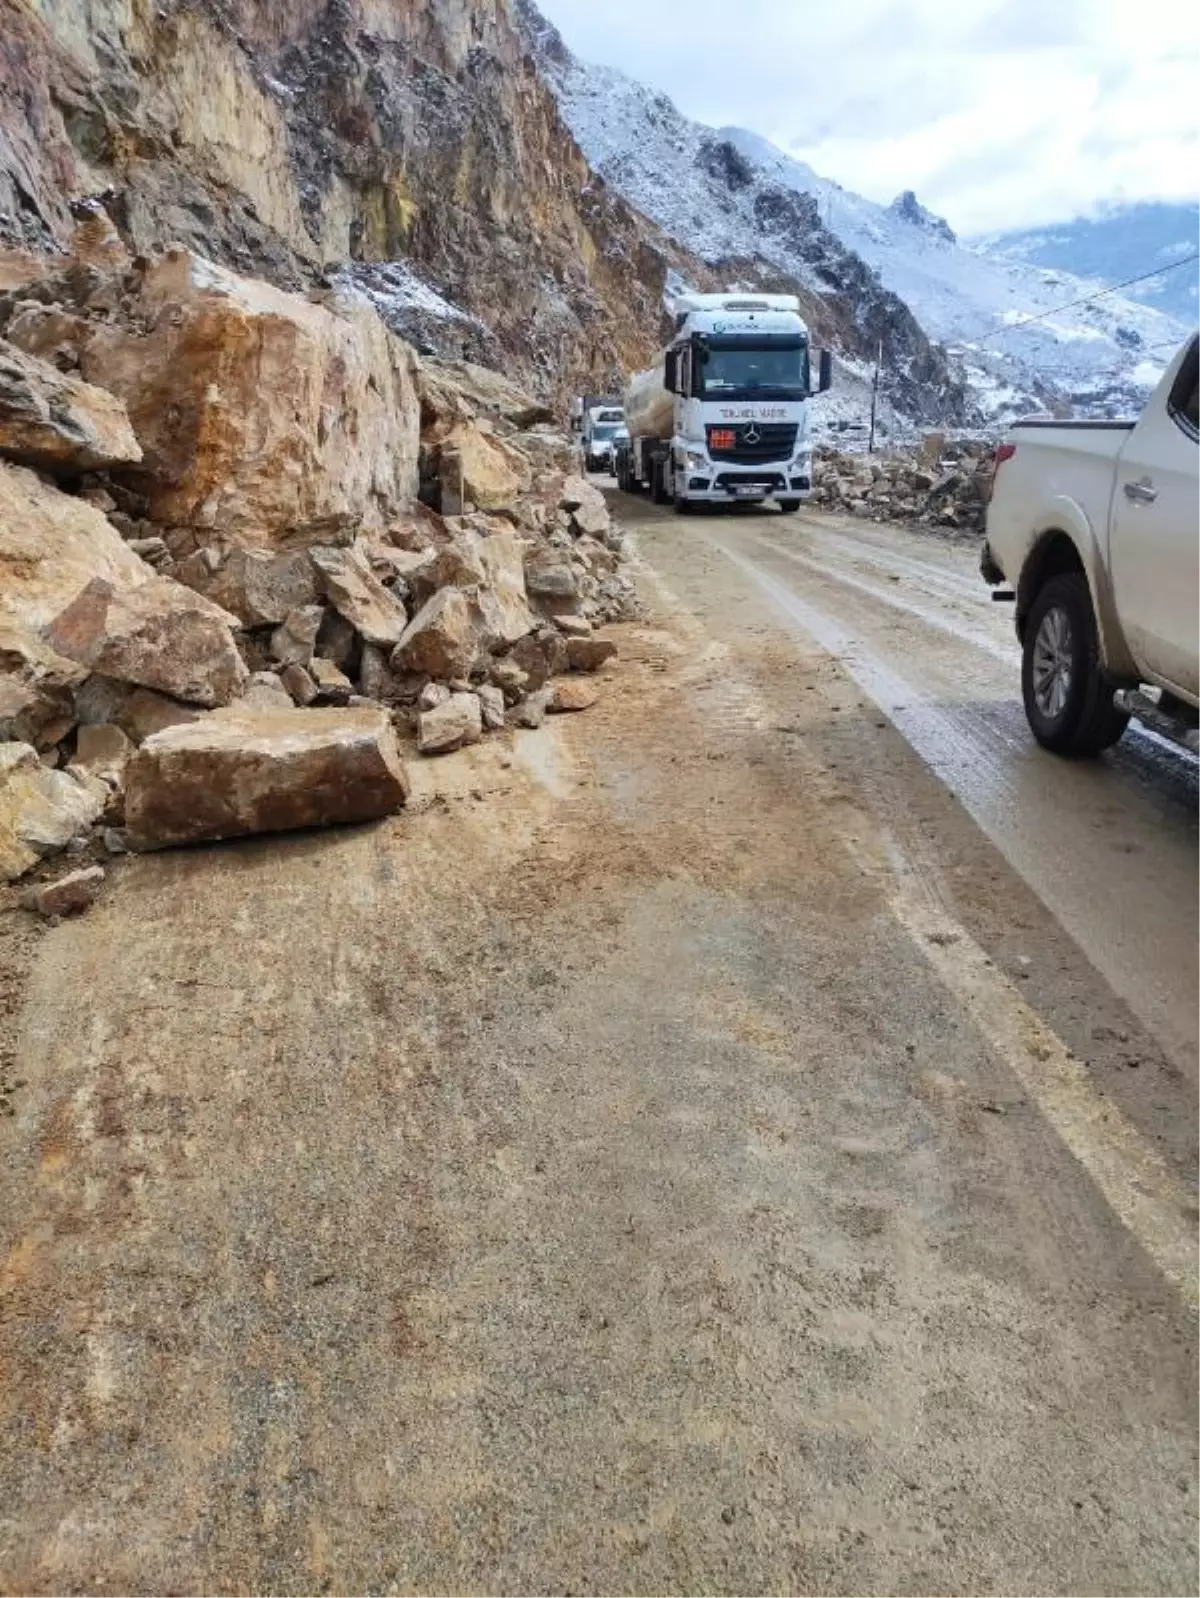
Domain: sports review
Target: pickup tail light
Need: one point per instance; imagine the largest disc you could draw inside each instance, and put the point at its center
(1004, 452)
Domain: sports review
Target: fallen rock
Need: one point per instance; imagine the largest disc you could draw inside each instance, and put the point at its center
(490, 473)
(501, 597)
(260, 588)
(548, 450)
(589, 654)
(591, 520)
(357, 595)
(331, 681)
(157, 635)
(262, 415)
(48, 332)
(377, 680)
(103, 751)
(57, 422)
(446, 384)
(144, 713)
(530, 712)
(51, 546)
(299, 684)
(40, 810)
(570, 693)
(540, 656)
(444, 639)
(450, 725)
(68, 896)
(550, 575)
(265, 691)
(577, 493)
(491, 704)
(573, 626)
(34, 710)
(294, 640)
(337, 641)
(240, 771)
(432, 695)
(509, 677)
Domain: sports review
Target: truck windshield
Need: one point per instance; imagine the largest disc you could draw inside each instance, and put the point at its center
(741, 371)
(607, 430)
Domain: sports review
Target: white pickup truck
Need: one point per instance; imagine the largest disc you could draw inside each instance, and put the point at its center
(1094, 529)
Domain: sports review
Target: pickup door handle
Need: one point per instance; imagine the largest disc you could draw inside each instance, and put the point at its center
(1143, 492)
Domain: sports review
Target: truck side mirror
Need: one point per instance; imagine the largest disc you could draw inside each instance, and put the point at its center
(671, 372)
(824, 371)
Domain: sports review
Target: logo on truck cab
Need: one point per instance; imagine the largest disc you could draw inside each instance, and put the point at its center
(753, 413)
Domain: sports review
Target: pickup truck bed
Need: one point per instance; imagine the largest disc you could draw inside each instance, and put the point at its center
(1095, 527)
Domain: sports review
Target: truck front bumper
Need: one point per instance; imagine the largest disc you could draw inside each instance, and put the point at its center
(724, 485)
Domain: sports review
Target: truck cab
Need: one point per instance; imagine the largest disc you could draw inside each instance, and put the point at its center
(737, 425)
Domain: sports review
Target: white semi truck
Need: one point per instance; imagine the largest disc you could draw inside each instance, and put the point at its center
(724, 415)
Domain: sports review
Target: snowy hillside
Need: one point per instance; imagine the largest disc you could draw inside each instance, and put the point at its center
(1120, 243)
(727, 193)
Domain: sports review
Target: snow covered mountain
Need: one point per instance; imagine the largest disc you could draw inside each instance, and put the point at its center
(1120, 243)
(728, 194)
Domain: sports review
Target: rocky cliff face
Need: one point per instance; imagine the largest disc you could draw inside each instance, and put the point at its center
(287, 140)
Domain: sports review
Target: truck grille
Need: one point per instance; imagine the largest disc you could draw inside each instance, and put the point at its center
(766, 441)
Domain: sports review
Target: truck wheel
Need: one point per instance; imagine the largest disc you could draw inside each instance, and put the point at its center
(658, 483)
(787, 506)
(1068, 699)
(684, 506)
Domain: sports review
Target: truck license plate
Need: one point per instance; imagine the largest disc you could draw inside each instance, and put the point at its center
(748, 491)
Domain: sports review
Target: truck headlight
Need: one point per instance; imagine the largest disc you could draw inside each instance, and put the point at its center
(696, 458)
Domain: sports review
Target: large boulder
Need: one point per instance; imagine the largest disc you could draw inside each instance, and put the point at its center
(458, 388)
(57, 422)
(491, 475)
(34, 709)
(449, 725)
(157, 635)
(238, 771)
(501, 596)
(262, 415)
(51, 546)
(492, 570)
(258, 587)
(548, 451)
(41, 810)
(351, 587)
(444, 639)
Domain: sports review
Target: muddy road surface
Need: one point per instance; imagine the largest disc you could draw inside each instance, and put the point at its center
(741, 1138)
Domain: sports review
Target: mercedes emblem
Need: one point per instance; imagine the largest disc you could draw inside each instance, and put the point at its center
(751, 435)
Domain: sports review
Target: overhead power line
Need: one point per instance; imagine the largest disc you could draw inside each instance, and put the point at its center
(1086, 299)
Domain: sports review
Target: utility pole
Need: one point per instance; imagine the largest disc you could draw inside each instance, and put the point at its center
(875, 396)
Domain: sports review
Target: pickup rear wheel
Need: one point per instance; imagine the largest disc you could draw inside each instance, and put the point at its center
(1068, 699)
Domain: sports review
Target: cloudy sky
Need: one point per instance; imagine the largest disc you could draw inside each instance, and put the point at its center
(999, 113)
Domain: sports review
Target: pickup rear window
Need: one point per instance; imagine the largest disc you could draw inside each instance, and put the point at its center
(1183, 401)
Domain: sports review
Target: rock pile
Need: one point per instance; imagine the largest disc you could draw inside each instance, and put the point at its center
(943, 484)
(223, 606)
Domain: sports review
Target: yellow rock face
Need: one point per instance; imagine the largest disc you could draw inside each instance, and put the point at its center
(263, 417)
